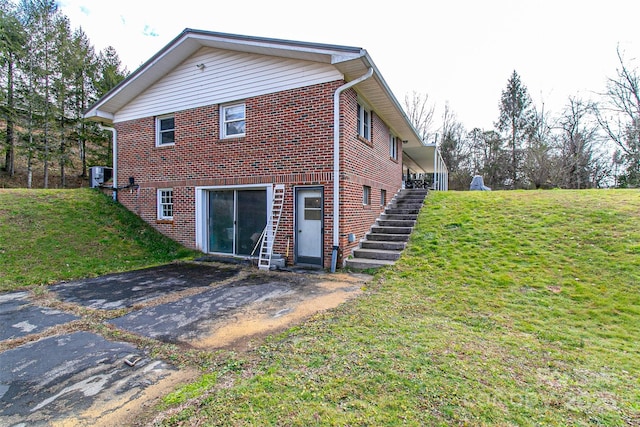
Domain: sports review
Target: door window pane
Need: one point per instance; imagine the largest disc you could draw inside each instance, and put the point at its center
(312, 208)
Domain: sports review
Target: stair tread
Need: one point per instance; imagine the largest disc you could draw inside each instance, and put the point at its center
(369, 261)
(383, 242)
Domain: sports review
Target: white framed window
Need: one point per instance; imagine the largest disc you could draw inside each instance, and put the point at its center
(165, 130)
(383, 197)
(366, 195)
(165, 203)
(364, 122)
(393, 147)
(233, 120)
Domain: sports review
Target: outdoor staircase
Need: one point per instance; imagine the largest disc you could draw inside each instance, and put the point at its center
(390, 234)
(270, 230)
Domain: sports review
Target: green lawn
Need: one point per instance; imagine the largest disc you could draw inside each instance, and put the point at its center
(508, 308)
(52, 235)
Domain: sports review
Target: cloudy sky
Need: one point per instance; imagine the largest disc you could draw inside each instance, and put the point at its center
(456, 51)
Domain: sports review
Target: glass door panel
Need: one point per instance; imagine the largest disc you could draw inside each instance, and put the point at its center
(251, 214)
(221, 221)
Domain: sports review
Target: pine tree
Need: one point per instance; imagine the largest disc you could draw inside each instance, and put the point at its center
(12, 39)
(83, 63)
(516, 118)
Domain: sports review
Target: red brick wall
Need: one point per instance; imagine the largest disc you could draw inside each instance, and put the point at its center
(365, 163)
(289, 139)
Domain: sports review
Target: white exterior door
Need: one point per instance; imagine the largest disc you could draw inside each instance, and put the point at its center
(309, 219)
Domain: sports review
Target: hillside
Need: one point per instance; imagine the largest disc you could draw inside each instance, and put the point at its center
(73, 178)
(52, 235)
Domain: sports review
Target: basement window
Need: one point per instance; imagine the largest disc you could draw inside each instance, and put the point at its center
(165, 203)
(366, 195)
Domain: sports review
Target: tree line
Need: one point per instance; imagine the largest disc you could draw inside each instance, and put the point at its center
(589, 144)
(50, 74)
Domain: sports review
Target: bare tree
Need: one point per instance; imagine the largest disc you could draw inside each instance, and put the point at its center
(538, 164)
(420, 113)
(579, 134)
(489, 157)
(619, 116)
(455, 150)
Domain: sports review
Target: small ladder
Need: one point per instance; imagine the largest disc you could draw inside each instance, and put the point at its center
(269, 233)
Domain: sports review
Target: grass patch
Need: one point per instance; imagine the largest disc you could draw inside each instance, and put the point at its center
(507, 308)
(48, 236)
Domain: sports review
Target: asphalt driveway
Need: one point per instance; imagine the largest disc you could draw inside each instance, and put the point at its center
(54, 368)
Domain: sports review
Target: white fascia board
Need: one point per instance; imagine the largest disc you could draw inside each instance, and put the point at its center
(97, 115)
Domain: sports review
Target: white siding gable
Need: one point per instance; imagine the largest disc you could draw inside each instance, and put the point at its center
(226, 76)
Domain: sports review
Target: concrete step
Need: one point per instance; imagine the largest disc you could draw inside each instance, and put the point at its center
(402, 211)
(377, 229)
(413, 191)
(410, 197)
(365, 263)
(405, 206)
(408, 202)
(387, 237)
(383, 244)
(382, 254)
(396, 222)
(398, 217)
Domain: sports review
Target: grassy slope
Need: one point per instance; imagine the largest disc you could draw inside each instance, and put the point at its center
(508, 308)
(52, 235)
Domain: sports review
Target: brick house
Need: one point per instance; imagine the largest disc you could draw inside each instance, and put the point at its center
(208, 129)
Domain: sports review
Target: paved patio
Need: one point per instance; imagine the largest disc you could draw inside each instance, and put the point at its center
(54, 370)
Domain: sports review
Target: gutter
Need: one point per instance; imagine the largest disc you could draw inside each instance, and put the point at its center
(336, 164)
(115, 158)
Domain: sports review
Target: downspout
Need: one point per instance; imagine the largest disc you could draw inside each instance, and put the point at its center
(115, 159)
(336, 164)
(436, 168)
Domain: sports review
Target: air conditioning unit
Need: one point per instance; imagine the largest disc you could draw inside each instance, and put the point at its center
(98, 175)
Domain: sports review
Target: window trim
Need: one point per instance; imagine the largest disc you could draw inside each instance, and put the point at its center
(383, 197)
(160, 204)
(223, 122)
(159, 132)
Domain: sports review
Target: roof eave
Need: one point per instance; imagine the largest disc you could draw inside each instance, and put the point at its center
(96, 115)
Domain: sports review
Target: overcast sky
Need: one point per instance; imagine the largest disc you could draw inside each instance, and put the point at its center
(456, 51)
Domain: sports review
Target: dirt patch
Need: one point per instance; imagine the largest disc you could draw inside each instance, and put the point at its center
(253, 322)
(121, 409)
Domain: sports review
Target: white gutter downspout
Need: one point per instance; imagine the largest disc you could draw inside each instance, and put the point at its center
(336, 164)
(115, 159)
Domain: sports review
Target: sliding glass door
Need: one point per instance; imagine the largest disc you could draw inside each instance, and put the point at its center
(236, 220)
